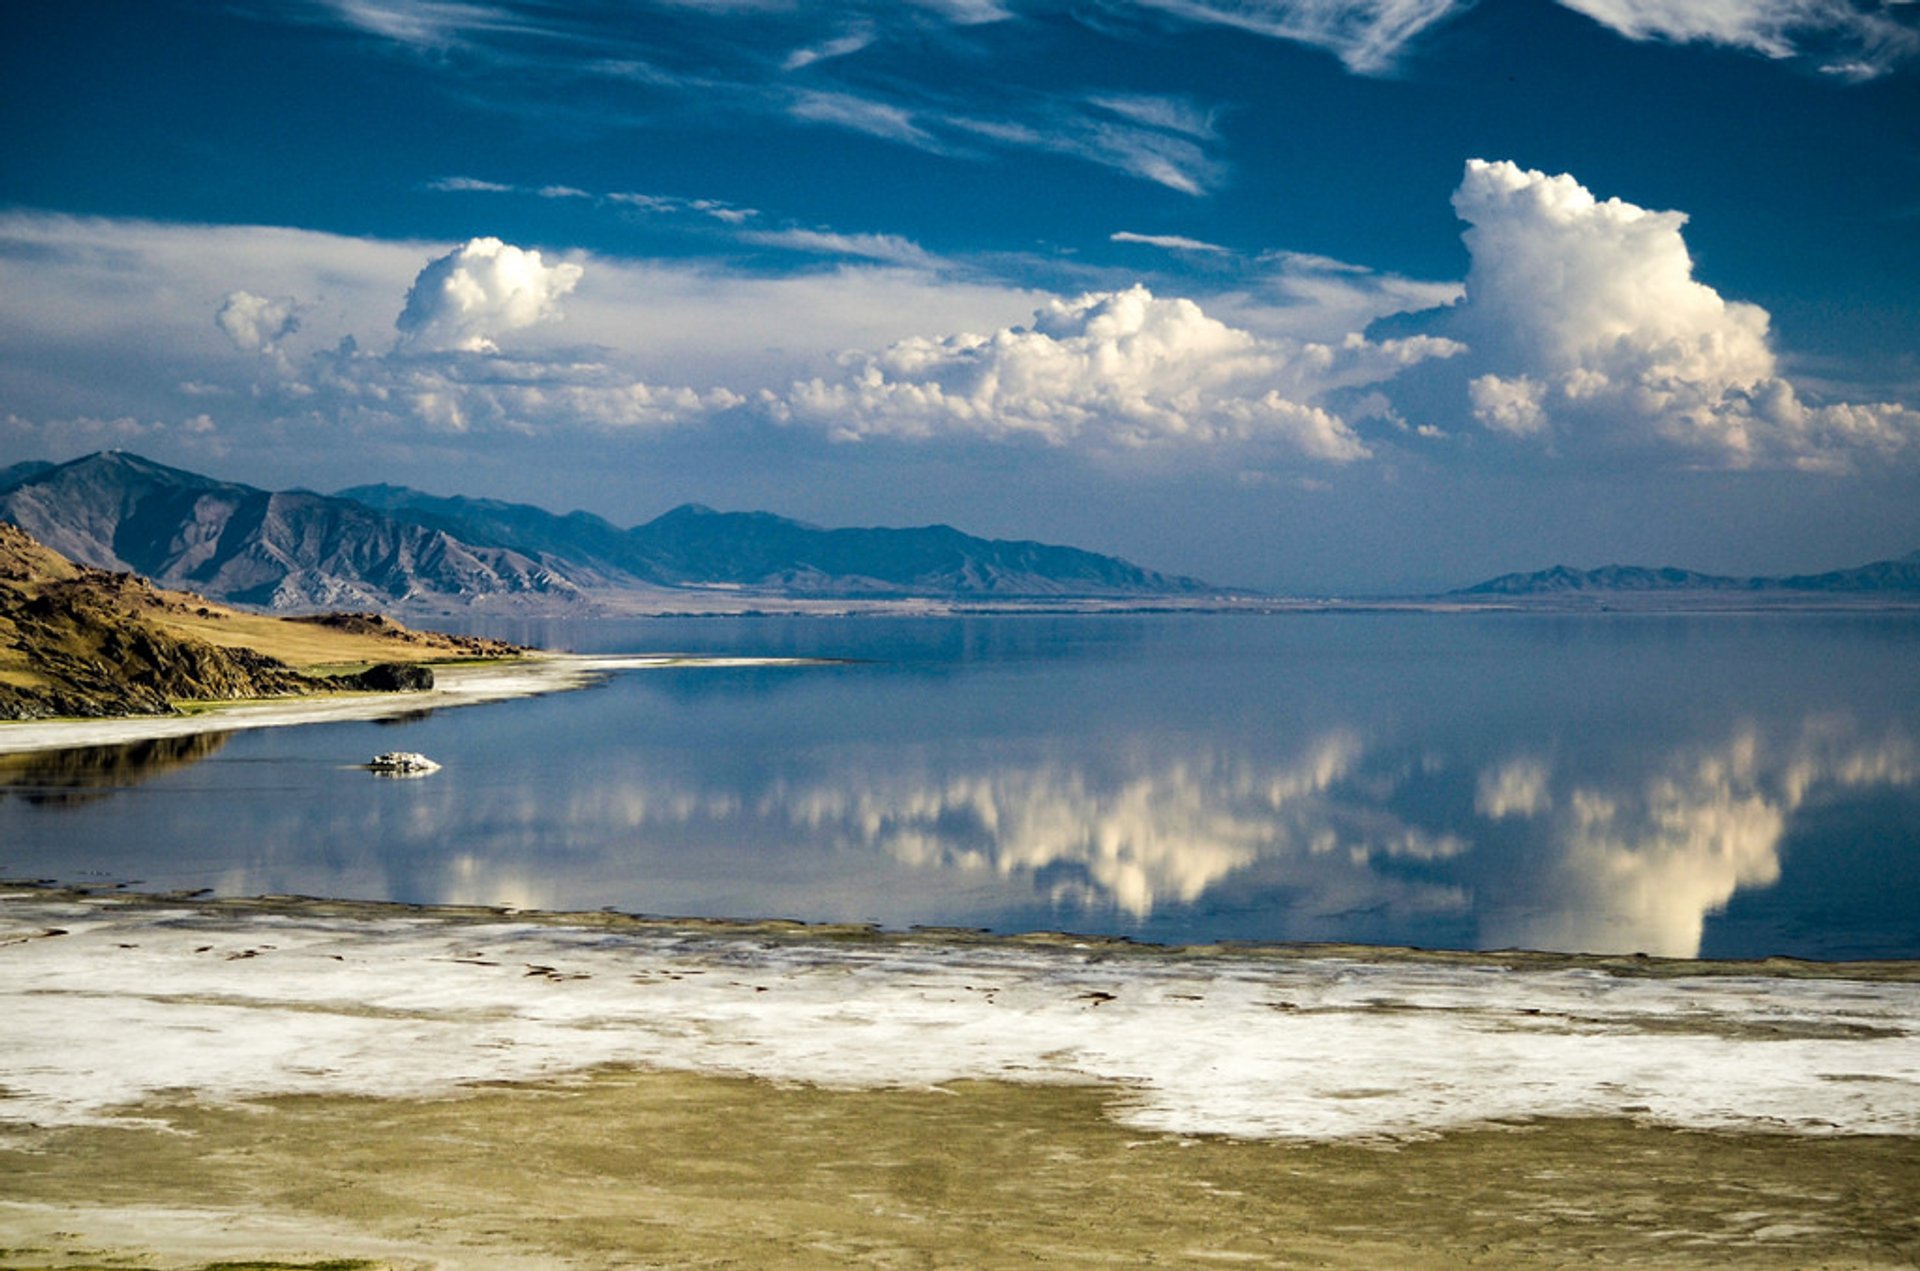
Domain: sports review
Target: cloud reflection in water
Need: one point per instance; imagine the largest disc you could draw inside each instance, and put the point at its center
(1639, 867)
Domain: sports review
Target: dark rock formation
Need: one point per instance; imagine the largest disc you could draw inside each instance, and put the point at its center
(388, 677)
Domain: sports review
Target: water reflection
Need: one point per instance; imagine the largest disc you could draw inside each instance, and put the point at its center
(1137, 837)
(66, 778)
(1640, 866)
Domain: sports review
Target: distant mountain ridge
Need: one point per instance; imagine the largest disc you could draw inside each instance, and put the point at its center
(755, 548)
(695, 546)
(381, 546)
(1899, 575)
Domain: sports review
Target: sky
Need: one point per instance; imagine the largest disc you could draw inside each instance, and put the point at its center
(1314, 296)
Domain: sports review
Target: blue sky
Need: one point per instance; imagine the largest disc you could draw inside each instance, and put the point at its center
(1320, 295)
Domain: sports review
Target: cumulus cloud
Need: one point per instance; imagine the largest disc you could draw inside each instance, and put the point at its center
(445, 374)
(1588, 326)
(481, 290)
(257, 324)
(1123, 369)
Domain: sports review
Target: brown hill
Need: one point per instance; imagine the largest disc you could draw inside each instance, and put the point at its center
(89, 642)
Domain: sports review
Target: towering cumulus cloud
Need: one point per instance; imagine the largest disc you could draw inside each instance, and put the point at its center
(464, 299)
(1122, 369)
(1591, 328)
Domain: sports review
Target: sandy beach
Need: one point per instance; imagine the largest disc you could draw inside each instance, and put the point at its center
(294, 1079)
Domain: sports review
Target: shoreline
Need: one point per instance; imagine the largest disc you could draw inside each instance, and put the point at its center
(455, 684)
(797, 931)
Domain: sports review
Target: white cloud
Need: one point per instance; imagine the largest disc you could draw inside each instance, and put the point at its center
(257, 324)
(1171, 242)
(464, 393)
(1508, 405)
(1122, 370)
(468, 185)
(840, 46)
(486, 288)
(1173, 114)
(863, 114)
(1589, 327)
(1368, 36)
(890, 248)
(1854, 42)
(426, 24)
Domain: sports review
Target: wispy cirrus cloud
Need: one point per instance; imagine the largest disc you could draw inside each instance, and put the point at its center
(807, 66)
(1368, 36)
(1170, 242)
(1847, 39)
(889, 248)
(661, 204)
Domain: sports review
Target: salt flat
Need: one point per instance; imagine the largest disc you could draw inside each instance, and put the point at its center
(107, 1004)
(187, 1083)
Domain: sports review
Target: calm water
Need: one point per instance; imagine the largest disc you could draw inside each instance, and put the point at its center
(1720, 786)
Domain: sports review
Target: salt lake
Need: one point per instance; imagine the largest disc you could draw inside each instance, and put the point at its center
(1685, 785)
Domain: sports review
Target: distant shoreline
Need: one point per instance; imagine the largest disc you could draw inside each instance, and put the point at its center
(624, 605)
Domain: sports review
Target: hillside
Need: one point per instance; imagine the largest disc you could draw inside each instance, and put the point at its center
(279, 550)
(78, 641)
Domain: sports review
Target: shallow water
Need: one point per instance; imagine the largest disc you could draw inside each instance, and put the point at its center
(1710, 785)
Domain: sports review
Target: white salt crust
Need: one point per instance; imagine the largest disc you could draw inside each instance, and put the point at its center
(134, 1000)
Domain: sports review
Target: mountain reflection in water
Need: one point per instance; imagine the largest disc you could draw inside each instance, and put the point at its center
(1581, 801)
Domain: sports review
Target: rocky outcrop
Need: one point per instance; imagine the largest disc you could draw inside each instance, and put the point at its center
(387, 677)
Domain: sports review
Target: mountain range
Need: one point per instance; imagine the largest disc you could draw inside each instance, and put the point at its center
(1898, 575)
(384, 546)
